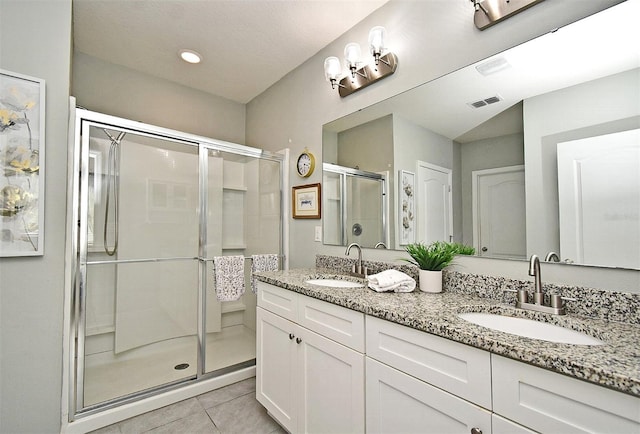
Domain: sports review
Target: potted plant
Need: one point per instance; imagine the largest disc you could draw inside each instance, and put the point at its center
(432, 258)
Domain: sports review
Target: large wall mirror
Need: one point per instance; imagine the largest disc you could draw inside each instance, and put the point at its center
(533, 150)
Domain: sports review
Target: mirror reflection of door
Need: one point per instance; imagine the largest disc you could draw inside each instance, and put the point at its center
(599, 191)
(499, 212)
(434, 204)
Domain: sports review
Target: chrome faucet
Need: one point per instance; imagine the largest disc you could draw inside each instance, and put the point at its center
(534, 270)
(552, 256)
(357, 269)
(556, 304)
(380, 244)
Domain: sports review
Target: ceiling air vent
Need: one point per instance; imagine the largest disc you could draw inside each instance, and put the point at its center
(483, 102)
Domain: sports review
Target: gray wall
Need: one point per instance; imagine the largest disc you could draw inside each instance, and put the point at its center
(119, 91)
(35, 39)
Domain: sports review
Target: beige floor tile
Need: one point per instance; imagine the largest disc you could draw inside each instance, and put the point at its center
(242, 415)
(198, 423)
(161, 416)
(227, 393)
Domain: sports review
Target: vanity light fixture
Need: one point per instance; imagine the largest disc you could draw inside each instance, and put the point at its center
(190, 56)
(490, 12)
(358, 77)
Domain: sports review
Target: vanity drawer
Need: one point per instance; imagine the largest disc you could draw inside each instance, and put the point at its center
(278, 300)
(460, 369)
(338, 323)
(550, 402)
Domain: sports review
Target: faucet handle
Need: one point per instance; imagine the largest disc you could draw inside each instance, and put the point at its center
(558, 300)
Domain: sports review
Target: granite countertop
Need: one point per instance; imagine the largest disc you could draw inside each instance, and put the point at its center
(615, 365)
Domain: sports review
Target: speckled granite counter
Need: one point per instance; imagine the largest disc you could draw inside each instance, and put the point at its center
(615, 365)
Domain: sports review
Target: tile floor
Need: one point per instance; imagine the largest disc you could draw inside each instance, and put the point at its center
(230, 410)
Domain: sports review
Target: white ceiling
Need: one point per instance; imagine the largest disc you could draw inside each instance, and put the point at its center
(247, 45)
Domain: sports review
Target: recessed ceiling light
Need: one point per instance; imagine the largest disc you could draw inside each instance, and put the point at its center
(190, 56)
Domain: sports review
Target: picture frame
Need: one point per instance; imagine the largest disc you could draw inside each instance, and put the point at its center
(306, 201)
(22, 161)
(406, 207)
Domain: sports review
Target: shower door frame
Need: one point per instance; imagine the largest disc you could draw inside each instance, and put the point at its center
(78, 246)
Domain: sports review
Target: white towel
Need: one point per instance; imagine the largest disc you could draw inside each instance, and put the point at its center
(267, 262)
(229, 277)
(391, 280)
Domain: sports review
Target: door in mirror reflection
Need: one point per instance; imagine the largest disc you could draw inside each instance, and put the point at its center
(435, 212)
(599, 191)
(499, 212)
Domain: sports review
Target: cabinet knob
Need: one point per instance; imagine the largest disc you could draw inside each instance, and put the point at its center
(484, 249)
(291, 336)
(476, 431)
(298, 340)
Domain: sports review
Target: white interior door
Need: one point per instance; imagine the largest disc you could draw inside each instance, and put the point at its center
(434, 204)
(499, 212)
(599, 191)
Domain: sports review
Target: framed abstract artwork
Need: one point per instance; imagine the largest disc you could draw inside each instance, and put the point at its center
(22, 134)
(406, 205)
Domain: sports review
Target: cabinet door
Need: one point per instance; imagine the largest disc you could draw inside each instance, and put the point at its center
(550, 402)
(331, 386)
(500, 425)
(276, 373)
(460, 369)
(278, 300)
(400, 403)
(335, 322)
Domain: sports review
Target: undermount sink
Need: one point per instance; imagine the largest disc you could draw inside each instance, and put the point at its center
(335, 283)
(530, 328)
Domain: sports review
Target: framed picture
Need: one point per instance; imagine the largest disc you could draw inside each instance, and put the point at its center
(306, 201)
(406, 205)
(22, 115)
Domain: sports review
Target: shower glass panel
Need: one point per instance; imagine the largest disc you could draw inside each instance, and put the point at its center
(355, 206)
(243, 219)
(141, 263)
(155, 207)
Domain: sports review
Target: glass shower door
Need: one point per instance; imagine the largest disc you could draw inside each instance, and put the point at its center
(243, 218)
(139, 270)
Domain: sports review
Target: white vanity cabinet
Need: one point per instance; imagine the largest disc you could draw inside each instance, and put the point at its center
(416, 382)
(310, 362)
(400, 403)
(550, 402)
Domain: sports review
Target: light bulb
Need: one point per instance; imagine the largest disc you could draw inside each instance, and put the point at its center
(352, 54)
(377, 35)
(332, 68)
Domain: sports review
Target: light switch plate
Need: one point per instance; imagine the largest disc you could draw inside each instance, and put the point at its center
(318, 236)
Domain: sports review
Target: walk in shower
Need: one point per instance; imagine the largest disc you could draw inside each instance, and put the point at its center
(154, 207)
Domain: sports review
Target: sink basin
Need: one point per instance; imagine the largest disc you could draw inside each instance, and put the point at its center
(530, 328)
(335, 283)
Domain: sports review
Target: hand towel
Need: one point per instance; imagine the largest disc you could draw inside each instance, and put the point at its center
(267, 262)
(391, 280)
(229, 277)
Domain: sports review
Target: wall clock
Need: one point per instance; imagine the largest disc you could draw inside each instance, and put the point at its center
(306, 163)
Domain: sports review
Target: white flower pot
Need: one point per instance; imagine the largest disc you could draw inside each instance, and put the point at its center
(430, 281)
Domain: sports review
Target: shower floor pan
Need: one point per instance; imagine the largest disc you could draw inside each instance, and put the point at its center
(108, 378)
